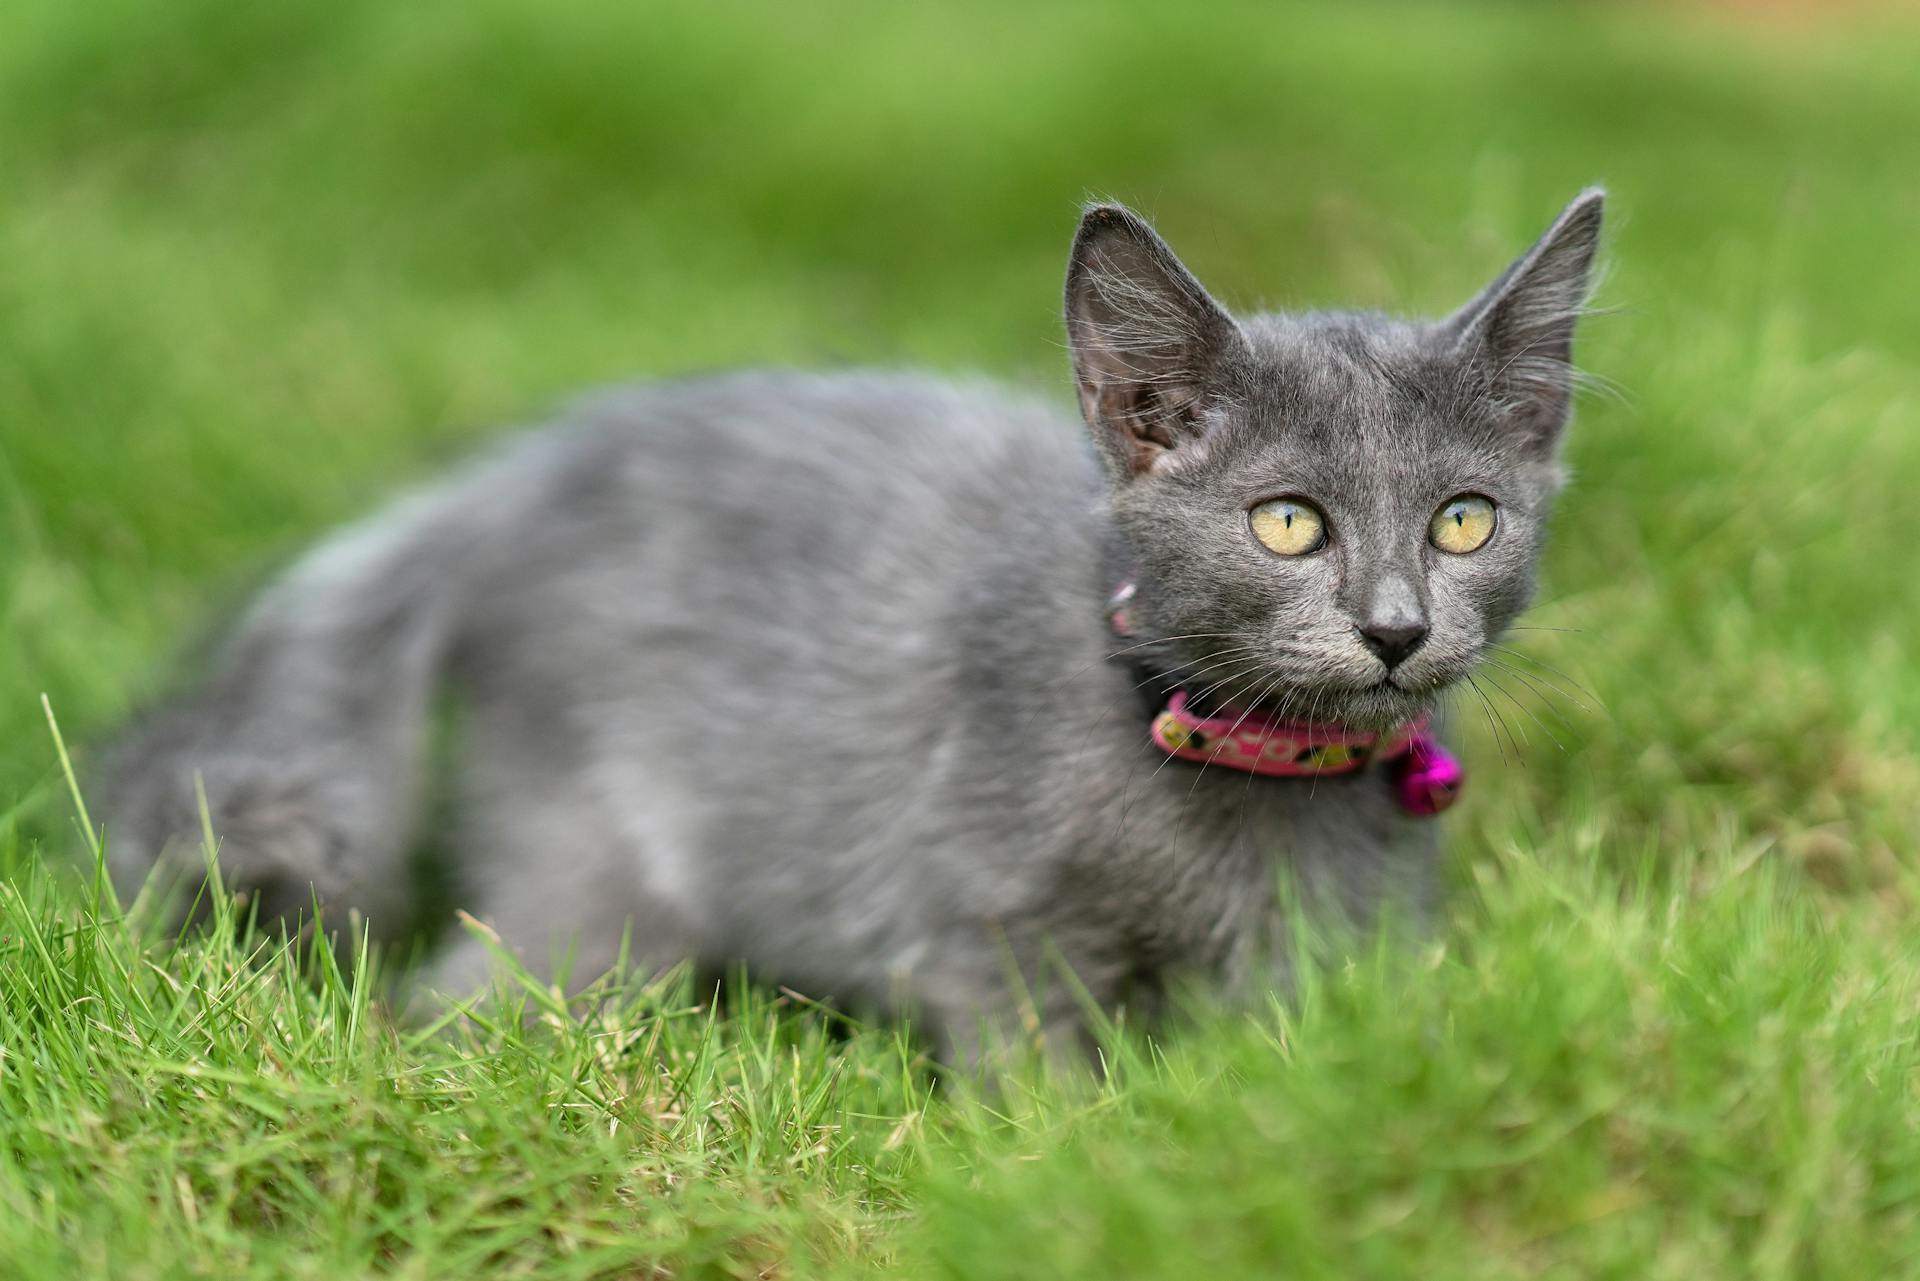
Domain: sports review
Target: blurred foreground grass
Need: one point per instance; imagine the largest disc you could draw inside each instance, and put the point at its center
(258, 263)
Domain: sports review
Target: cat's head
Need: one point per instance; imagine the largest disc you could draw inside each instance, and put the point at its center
(1333, 515)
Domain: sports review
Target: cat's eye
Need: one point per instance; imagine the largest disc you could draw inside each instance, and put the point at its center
(1463, 524)
(1289, 526)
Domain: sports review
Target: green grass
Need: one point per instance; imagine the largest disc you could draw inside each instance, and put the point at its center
(261, 263)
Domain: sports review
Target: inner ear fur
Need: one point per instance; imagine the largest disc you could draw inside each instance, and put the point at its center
(1147, 340)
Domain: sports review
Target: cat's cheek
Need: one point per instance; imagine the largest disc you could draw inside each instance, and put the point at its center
(1475, 596)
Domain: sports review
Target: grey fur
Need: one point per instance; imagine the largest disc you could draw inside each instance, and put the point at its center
(811, 672)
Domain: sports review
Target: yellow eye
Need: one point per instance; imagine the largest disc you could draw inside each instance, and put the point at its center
(1289, 526)
(1462, 524)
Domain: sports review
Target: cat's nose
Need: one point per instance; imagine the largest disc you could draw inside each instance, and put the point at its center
(1392, 642)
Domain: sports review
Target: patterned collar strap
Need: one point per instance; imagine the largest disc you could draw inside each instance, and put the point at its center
(1260, 744)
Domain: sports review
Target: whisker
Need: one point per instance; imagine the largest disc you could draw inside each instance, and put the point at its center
(1069, 679)
(1487, 707)
(1162, 640)
(1237, 653)
(1519, 743)
(1181, 821)
(1246, 793)
(1551, 693)
(1551, 670)
(1171, 757)
(1251, 667)
(1138, 685)
(1545, 694)
(1313, 786)
(1127, 787)
(1508, 695)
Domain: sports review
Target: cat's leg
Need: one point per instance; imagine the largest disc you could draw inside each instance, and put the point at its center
(997, 998)
(550, 930)
(552, 874)
(316, 802)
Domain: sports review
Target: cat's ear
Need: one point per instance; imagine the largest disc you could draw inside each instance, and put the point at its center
(1147, 341)
(1516, 337)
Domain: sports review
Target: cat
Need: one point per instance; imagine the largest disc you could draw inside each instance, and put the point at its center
(897, 689)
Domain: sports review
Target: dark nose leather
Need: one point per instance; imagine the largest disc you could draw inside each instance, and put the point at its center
(1392, 642)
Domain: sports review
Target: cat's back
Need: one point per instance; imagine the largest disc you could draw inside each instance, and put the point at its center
(784, 444)
(760, 473)
(773, 514)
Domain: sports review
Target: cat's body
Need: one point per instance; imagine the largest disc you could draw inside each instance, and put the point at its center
(815, 672)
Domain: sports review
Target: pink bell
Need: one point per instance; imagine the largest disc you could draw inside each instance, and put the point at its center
(1427, 778)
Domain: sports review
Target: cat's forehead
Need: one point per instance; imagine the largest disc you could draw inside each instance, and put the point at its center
(1329, 369)
(1353, 400)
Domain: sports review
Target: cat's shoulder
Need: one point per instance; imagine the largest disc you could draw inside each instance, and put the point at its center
(781, 409)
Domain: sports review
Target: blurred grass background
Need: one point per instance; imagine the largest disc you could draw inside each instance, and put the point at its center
(259, 264)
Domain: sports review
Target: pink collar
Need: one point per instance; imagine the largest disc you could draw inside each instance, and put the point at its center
(1426, 778)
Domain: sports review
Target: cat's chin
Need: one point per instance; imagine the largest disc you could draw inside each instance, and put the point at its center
(1374, 707)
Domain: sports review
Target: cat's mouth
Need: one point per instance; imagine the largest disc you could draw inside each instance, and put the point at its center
(1382, 705)
(1390, 701)
(1311, 686)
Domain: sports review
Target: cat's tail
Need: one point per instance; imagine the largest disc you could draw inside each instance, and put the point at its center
(309, 734)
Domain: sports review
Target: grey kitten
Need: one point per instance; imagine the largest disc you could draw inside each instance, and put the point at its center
(814, 672)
